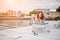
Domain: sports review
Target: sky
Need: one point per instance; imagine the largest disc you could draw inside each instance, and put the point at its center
(27, 5)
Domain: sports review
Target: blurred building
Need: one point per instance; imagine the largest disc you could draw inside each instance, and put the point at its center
(53, 14)
(11, 13)
(13, 19)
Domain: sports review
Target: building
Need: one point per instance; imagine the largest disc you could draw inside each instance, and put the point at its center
(11, 13)
(13, 19)
(53, 14)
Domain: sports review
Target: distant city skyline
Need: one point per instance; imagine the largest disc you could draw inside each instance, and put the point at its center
(27, 5)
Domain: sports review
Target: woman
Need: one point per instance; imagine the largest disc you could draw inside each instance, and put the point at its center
(40, 17)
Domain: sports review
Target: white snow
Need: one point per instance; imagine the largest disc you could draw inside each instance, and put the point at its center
(25, 33)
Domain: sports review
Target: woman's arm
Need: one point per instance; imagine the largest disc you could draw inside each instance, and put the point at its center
(36, 20)
(43, 20)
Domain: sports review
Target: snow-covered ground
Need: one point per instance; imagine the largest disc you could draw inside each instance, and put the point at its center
(25, 33)
(2, 27)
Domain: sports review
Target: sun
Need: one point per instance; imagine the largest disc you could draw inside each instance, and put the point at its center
(10, 1)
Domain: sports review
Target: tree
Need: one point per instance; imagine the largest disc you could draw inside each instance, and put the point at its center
(48, 13)
(32, 12)
(58, 9)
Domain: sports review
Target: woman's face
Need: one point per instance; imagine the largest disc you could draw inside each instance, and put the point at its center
(40, 14)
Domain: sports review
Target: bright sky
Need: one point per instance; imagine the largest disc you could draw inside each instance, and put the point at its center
(27, 5)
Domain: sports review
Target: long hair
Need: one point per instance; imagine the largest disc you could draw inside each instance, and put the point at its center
(42, 17)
